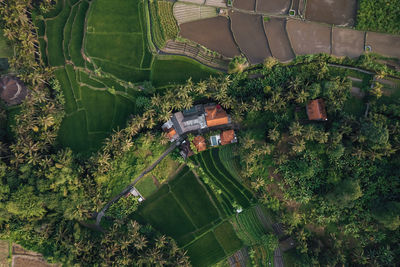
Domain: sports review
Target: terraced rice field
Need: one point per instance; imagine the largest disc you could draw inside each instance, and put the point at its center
(385, 44)
(186, 12)
(278, 40)
(245, 4)
(338, 12)
(101, 49)
(232, 190)
(274, 6)
(198, 222)
(248, 32)
(309, 38)
(347, 42)
(213, 33)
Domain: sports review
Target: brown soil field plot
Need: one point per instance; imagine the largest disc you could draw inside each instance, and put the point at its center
(339, 12)
(24, 261)
(279, 43)
(347, 42)
(213, 33)
(4, 251)
(274, 6)
(384, 44)
(245, 4)
(248, 32)
(309, 38)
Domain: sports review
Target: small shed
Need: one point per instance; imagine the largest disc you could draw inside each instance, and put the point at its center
(316, 110)
(228, 137)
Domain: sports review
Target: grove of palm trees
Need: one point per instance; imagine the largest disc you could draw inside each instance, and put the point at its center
(322, 193)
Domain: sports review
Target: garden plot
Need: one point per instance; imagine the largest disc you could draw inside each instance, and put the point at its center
(385, 44)
(347, 42)
(339, 12)
(309, 38)
(213, 33)
(199, 2)
(217, 3)
(279, 43)
(248, 31)
(187, 12)
(245, 4)
(274, 6)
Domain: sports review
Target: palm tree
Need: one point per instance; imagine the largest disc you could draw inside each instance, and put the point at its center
(296, 129)
(274, 134)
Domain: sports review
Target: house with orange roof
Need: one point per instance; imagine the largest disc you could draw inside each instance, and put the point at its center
(228, 137)
(316, 110)
(200, 143)
(216, 115)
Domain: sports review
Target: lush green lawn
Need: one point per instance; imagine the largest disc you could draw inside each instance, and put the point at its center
(146, 186)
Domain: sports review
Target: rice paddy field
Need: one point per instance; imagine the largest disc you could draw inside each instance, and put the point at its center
(100, 50)
(190, 210)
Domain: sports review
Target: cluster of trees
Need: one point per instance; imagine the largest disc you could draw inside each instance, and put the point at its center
(340, 177)
(379, 16)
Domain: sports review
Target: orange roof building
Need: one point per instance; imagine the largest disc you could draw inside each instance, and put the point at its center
(316, 110)
(170, 133)
(228, 137)
(200, 143)
(216, 116)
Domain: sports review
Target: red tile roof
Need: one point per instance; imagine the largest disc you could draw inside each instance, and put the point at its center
(200, 143)
(216, 115)
(316, 110)
(227, 137)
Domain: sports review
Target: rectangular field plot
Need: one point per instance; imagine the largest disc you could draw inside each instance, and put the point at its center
(309, 38)
(227, 238)
(347, 42)
(194, 199)
(99, 106)
(339, 12)
(120, 48)
(183, 211)
(167, 216)
(114, 16)
(205, 251)
(73, 132)
(77, 29)
(177, 69)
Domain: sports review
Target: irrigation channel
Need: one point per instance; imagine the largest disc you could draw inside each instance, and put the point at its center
(126, 190)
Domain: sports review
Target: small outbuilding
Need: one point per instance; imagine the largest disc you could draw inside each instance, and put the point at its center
(12, 90)
(200, 143)
(316, 110)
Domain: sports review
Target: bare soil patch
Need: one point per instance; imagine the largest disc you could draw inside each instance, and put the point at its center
(249, 34)
(278, 41)
(384, 44)
(274, 6)
(245, 4)
(339, 12)
(213, 33)
(24, 261)
(347, 42)
(309, 38)
(4, 253)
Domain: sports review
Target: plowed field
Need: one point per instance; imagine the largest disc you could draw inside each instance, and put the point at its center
(279, 43)
(249, 34)
(339, 12)
(213, 33)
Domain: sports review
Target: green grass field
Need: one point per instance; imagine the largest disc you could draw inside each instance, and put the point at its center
(111, 36)
(186, 210)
